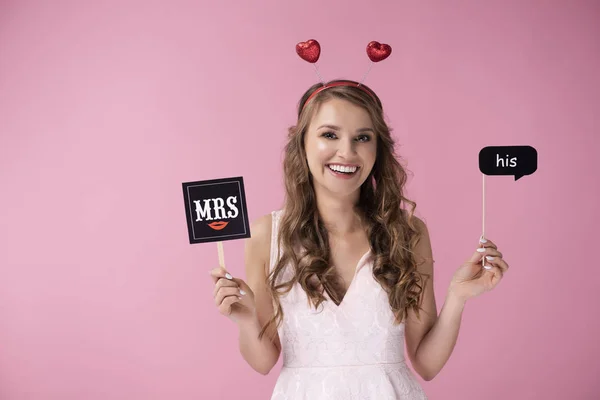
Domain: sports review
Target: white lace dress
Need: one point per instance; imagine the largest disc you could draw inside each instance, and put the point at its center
(347, 352)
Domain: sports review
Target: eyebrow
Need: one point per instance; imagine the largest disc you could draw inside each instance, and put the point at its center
(337, 128)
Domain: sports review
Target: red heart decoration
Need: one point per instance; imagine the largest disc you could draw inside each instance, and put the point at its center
(378, 52)
(309, 50)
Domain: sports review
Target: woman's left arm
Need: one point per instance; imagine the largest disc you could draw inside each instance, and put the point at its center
(431, 340)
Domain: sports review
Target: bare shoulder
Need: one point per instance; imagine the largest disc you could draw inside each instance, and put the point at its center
(423, 250)
(421, 226)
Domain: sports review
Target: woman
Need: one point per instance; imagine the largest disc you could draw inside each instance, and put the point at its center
(342, 276)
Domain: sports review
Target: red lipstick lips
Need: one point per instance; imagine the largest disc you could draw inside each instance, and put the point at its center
(217, 226)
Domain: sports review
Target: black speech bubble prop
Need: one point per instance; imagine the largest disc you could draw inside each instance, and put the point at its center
(516, 161)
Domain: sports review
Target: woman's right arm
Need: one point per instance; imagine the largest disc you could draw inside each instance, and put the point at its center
(262, 355)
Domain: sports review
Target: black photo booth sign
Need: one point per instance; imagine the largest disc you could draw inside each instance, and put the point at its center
(216, 210)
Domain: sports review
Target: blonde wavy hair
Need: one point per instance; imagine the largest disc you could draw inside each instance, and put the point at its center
(391, 230)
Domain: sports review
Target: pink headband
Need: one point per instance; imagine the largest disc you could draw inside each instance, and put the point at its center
(334, 84)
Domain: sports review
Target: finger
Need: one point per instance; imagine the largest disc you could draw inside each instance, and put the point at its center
(481, 252)
(225, 307)
(223, 282)
(495, 272)
(478, 254)
(219, 272)
(225, 292)
(241, 284)
(498, 262)
(490, 251)
(487, 243)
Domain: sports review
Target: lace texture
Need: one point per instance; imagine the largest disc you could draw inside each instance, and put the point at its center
(348, 352)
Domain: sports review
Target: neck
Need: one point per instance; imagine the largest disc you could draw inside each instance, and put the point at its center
(339, 214)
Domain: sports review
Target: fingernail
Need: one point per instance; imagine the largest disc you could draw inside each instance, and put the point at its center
(482, 240)
(487, 267)
(489, 258)
(228, 276)
(242, 292)
(481, 249)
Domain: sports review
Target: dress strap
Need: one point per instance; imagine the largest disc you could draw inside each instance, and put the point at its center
(274, 256)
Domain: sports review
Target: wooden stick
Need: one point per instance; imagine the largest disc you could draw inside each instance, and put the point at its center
(221, 254)
(483, 220)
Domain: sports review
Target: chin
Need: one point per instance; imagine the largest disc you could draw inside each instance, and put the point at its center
(344, 189)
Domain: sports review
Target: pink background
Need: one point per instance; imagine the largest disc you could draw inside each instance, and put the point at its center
(106, 108)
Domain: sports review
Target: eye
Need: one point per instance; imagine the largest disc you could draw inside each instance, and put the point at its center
(328, 135)
(363, 138)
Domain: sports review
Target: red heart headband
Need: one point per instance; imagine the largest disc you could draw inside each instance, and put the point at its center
(311, 50)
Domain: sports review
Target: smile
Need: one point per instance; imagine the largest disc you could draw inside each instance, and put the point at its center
(343, 171)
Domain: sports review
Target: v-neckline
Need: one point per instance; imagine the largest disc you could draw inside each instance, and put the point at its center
(356, 270)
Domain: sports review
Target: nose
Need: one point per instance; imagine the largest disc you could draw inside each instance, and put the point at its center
(346, 147)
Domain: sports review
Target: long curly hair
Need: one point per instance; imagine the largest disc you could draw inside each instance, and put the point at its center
(302, 236)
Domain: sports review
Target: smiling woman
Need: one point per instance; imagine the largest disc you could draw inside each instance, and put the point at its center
(338, 264)
(341, 278)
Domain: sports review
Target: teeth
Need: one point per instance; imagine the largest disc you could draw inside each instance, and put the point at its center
(340, 168)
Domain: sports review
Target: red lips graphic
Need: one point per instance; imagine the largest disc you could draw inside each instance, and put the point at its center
(217, 226)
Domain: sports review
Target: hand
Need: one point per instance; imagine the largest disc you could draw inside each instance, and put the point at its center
(233, 297)
(472, 279)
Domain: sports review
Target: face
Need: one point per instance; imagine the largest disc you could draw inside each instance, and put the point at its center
(341, 147)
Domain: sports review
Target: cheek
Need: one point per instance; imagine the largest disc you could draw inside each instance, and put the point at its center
(370, 153)
(315, 152)
(322, 151)
(323, 148)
